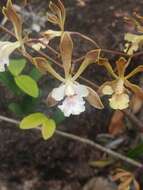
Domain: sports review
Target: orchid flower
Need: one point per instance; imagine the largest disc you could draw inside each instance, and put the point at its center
(7, 47)
(56, 16)
(119, 88)
(134, 43)
(70, 92)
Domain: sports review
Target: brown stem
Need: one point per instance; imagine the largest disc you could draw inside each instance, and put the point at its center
(46, 45)
(134, 119)
(106, 51)
(114, 52)
(85, 141)
(137, 54)
(7, 31)
(85, 37)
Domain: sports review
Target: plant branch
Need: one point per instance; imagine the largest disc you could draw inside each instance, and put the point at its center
(85, 141)
(137, 54)
(85, 37)
(114, 52)
(104, 51)
(45, 44)
(132, 117)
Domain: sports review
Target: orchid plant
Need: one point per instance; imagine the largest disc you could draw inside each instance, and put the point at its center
(70, 96)
(71, 92)
(119, 89)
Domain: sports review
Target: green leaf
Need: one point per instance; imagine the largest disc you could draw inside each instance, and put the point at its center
(7, 79)
(58, 116)
(136, 152)
(39, 120)
(16, 66)
(48, 128)
(27, 85)
(24, 106)
(32, 121)
(29, 104)
(35, 74)
(15, 108)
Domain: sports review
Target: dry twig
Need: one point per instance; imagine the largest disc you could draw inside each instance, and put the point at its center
(85, 141)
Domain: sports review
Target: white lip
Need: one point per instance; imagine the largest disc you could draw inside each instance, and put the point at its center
(73, 105)
(6, 48)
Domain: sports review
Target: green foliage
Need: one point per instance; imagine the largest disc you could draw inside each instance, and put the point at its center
(35, 74)
(16, 66)
(28, 104)
(7, 79)
(58, 116)
(24, 106)
(25, 103)
(48, 128)
(39, 120)
(15, 108)
(27, 85)
(32, 121)
(25, 88)
(136, 152)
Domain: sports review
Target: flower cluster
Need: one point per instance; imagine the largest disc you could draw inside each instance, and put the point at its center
(70, 92)
(70, 96)
(120, 88)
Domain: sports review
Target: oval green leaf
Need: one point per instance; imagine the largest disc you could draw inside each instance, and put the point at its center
(27, 85)
(16, 66)
(32, 121)
(48, 128)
